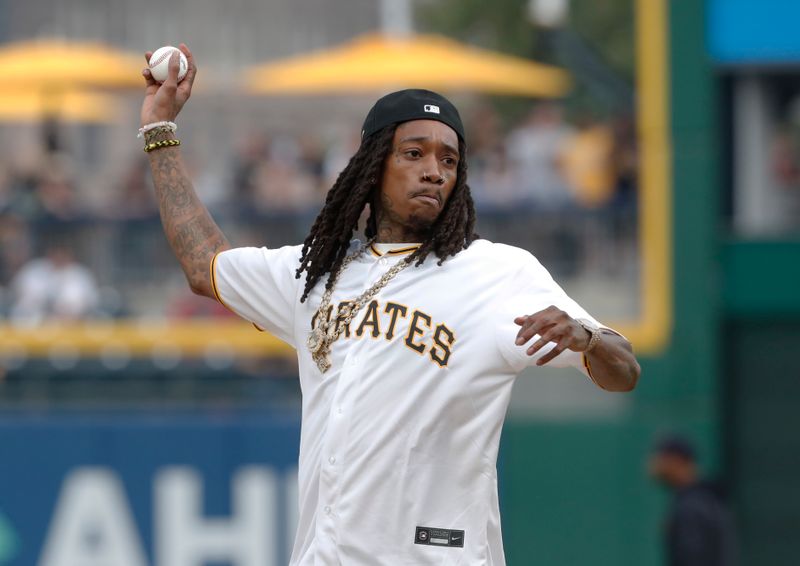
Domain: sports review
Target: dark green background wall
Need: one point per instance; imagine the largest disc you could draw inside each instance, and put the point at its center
(576, 493)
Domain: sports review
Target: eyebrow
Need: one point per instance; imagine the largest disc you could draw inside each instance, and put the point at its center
(425, 139)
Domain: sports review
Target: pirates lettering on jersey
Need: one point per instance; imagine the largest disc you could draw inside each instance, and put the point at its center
(416, 329)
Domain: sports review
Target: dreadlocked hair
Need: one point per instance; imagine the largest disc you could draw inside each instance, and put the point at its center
(326, 245)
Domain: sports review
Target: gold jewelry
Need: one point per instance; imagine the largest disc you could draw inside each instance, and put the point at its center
(160, 144)
(164, 124)
(325, 332)
(158, 130)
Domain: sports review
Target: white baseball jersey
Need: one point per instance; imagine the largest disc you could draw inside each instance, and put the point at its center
(400, 436)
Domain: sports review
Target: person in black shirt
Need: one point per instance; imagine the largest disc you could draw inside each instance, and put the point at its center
(699, 528)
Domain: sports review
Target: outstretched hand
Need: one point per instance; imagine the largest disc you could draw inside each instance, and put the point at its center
(552, 325)
(163, 101)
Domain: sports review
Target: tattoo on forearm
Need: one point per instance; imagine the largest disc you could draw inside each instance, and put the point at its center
(190, 230)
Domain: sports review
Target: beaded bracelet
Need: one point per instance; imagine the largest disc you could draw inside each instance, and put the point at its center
(171, 126)
(160, 144)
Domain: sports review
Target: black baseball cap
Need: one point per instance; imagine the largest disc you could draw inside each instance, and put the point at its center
(411, 104)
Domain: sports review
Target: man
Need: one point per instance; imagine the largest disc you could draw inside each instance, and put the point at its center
(53, 288)
(408, 344)
(699, 529)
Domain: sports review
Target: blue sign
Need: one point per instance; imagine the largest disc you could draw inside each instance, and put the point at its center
(754, 31)
(147, 490)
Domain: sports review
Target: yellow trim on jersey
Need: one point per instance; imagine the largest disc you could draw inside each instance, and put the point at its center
(588, 367)
(213, 266)
(399, 251)
(216, 291)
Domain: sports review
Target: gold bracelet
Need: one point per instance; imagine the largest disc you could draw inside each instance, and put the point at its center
(157, 130)
(159, 144)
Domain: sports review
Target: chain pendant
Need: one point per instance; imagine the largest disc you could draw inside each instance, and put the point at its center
(324, 333)
(323, 363)
(315, 339)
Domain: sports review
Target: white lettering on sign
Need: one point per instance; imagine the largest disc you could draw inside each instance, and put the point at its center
(186, 538)
(92, 524)
(290, 489)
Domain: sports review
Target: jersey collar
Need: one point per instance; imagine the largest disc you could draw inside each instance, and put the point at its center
(380, 250)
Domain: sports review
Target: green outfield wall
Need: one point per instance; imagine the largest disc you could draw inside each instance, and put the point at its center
(575, 492)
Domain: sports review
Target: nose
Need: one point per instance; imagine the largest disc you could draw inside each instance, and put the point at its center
(435, 177)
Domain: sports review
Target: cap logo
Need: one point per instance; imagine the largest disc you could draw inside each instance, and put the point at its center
(432, 108)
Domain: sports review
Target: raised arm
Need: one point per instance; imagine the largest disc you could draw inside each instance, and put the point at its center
(192, 233)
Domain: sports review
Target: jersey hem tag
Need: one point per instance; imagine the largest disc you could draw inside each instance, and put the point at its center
(431, 536)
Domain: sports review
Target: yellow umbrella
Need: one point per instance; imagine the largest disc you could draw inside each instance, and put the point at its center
(67, 106)
(377, 62)
(54, 62)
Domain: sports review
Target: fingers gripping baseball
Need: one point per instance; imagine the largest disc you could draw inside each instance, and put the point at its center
(164, 101)
(551, 325)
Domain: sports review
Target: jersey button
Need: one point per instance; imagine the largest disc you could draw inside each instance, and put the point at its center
(382, 261)
(327, 509)
(332, 459)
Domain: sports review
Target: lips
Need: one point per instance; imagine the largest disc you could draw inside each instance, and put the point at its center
(431, 200)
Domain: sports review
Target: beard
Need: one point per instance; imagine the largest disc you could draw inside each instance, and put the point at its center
(421, 224)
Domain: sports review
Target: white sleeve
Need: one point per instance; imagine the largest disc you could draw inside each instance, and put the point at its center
(531, 290)
(259, 284)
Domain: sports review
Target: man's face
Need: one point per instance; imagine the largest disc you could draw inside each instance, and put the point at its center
(419, 174)
(667, 469)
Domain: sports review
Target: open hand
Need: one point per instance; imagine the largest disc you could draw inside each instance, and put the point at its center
(552, 325)
(163, 102)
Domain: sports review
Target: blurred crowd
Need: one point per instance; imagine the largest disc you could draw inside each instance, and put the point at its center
(545, 164)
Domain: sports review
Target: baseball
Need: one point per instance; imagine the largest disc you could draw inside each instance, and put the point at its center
(159, 63)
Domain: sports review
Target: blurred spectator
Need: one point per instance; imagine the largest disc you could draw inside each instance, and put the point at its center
(134, 197)
(534, 150)
(586, 160)
(491, 177)
(41, 188)
(484, 133)
(283, 186)
(15, 245)
(493, 181)
(5, 187)
(785, 156)
(21, 196)
(625, 159)
(52, 288)
(337, 157)
(55, 189)
(699, 528)
(56, 196)
(279, 175)
(250, 153)
(312, 157)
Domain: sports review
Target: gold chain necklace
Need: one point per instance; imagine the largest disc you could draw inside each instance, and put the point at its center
(325, 332)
